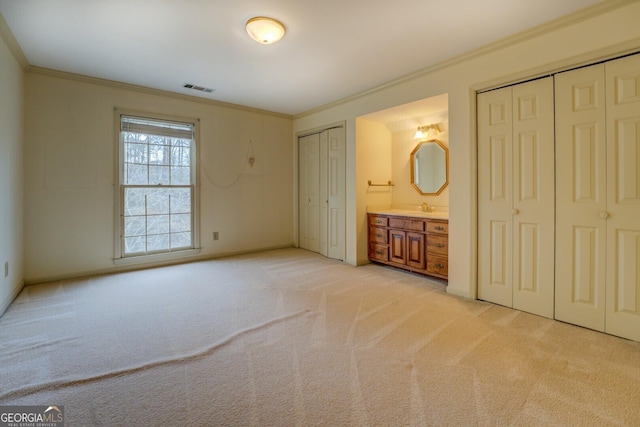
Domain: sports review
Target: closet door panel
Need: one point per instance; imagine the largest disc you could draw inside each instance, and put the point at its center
(581, 197)
(309, 192)
(303, 192)
(314, 193)
(495, 196)
(336, 193)
(623, 197)
(534, 197)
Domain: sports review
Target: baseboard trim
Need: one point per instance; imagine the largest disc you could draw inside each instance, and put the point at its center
(143, 266)
(7, 302)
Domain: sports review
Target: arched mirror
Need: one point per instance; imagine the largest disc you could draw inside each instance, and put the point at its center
(430, 167)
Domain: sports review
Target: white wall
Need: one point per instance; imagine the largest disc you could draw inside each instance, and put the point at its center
(601, 32)
(11, 176)
(70, 148)
(374, 143)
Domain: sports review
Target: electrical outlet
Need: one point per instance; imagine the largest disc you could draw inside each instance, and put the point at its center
(6, 269)
(216, 236)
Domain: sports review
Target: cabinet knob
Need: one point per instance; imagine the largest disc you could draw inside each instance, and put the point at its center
(439, 245)
(515, 212)
(378, 235)
(439, 228)
(604, 215)
(439, 265)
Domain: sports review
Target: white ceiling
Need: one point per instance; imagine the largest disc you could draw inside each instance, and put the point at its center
(332, 49)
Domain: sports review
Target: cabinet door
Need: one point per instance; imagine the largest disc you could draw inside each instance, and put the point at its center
(581, 190)
(623, 197)
(416, 250)
(397, 246)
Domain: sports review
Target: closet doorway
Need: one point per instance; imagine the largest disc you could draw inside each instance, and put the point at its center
(321, 192)
(582, 253)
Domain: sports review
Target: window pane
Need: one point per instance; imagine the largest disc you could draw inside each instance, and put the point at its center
(159, 155)
(135, 226)
(181, 200)
(180, 240)
(133, 245)
(180, 175)
(180, 156)
(135, 174)
(181, 222)
(134, 201)
(134, 137)
(180, 142)
(135, 153)
(159, 175)
(158, 243)
(157, 224)
(157, 139)
(157, 201)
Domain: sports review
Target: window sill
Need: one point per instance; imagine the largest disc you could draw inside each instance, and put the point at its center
(156, 258)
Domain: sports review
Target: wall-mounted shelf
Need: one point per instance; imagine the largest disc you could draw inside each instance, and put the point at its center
(388, 184)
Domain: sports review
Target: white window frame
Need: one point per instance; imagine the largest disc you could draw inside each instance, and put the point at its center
(119, 256)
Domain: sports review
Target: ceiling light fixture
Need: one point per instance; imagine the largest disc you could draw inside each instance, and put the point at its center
(265, 30)
(429, 131)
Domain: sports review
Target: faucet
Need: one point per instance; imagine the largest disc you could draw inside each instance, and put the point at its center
(425, 207)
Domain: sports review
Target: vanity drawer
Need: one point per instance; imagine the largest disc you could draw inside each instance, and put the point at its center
(407, 224)
(378, 235)
(437, 244)
(379, 252)
(438, 265)
(380, 221)
(440, 227)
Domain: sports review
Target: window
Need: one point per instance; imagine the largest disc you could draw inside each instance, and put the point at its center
(157, 186)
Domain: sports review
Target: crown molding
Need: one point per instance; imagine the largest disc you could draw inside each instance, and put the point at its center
(149, 91)
(12, 44)
(548, 27)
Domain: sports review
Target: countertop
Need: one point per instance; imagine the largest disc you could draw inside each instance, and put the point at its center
(414, 213)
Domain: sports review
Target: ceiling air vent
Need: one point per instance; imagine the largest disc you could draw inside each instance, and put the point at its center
(196, 87)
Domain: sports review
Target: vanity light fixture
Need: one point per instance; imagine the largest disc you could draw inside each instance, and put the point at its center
(427, 131)
(265, 30)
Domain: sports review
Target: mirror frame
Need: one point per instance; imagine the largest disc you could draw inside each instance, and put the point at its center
(412, 161)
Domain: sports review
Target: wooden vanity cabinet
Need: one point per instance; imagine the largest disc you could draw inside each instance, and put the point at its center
(416, 244)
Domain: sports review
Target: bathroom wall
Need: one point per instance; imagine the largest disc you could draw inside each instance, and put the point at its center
(402, 144)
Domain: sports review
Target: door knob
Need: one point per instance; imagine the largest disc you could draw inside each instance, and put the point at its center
(515, 212)
(604, 215)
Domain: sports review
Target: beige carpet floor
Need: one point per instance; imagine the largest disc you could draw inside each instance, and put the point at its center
(289, 338)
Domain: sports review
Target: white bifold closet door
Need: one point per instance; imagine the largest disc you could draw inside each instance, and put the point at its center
(321, 192)
(598, 197)
(516, 196)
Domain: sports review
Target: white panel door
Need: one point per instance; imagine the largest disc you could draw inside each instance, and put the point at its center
(533, 197)
(309, 192)
(336, 192)
(321, 192)
(516, 197)
(303, 192)
(495, 196)
(323, 220)
(623, 197)
(581, 188)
